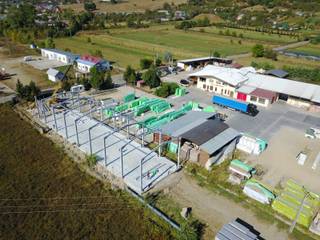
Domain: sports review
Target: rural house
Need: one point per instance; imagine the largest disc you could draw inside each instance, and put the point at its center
(59, 55)
(86, 62)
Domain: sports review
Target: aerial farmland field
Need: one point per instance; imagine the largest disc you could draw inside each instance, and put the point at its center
(44, 195)
(127, 46)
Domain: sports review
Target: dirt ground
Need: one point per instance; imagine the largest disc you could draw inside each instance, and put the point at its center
(280, 162)
(213, 209)
(125, 6)
(22, 72)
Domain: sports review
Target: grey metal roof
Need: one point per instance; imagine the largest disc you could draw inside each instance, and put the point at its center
(69, 54)
(246, 89)
(236, 231)
(205, 131)
(55, 73)
(185, 123)
(278, 73)
(214, 144)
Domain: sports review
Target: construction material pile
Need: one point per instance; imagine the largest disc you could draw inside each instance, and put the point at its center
(293, 198)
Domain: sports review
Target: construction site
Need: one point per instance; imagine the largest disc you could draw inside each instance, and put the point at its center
(116, 133)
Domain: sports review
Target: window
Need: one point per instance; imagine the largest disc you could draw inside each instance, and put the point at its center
(204, 86)
(262, 100)
(202, 79)
(216, 89)
(253, 98)
(225, 91)
(211, 88)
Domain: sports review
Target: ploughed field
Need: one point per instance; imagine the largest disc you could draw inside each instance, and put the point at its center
(44, 195)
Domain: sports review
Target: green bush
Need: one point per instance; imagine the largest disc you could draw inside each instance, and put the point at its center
(92, 160)
(166, 89)
(145, 63)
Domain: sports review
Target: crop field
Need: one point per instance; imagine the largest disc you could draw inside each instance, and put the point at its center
(282, 61)
(44, 195)
(125, 5)
(264, 38)
(311, 49)
(126, 46)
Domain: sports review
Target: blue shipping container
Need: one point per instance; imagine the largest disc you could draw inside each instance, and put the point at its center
(241, 106)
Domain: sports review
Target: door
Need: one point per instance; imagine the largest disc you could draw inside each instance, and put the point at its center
(242, 96)
(283, 97)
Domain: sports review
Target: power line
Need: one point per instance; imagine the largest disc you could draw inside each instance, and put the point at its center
(60, 205)
(64, 210)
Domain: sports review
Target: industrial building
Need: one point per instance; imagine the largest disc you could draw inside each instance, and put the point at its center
(204, 139)
(86, 62)
(190, 64)
(59, 55)
(246, 84)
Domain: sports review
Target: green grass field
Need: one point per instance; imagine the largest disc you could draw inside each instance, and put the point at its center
(44, 195)
(312, 49)
(127, 46)
(264, 38)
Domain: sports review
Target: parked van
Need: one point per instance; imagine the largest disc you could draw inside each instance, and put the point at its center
(77, 89)
(27, 58)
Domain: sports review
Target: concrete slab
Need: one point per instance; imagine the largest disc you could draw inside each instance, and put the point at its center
(44, 63)
(132, 154)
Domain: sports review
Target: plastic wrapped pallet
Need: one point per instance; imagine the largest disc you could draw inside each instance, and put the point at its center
(257, 192)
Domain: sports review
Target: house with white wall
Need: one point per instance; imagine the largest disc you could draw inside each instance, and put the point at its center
(59, 55)
(86, 62)
(245, 84)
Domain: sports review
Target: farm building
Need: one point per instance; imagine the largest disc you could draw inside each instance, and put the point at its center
(204, 139)
(54, 75)
(86, 62)
(189, 64)
(58, 55)
(246, 84)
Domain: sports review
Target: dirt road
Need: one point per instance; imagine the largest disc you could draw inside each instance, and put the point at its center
(22, 72)
(216, 210)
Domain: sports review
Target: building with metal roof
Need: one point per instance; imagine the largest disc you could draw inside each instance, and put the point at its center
(59, 55)
(277, 73)
(246, 84)
(237, 230)
(205, 139)
(54, 75)
(202, 61)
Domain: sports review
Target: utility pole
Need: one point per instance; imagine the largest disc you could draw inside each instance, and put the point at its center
(307, 194)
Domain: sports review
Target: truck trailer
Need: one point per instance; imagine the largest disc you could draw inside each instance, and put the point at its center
(244, 107)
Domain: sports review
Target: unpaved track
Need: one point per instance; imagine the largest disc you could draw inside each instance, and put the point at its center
(216, 210)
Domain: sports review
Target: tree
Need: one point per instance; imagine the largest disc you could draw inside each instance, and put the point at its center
(216, 54)
(21, 16)
(269, 53)
(107, 82)
(167, 56)
(19, 89)
(90, 6)
(49, 43)
(97, 77)
(145, 63)
(151, 77)
(127, 73)
(258, 50)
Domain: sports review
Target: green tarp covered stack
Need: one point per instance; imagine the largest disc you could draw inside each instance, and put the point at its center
(289, 201)
(180, 92)
(128, 98)
(257, 191)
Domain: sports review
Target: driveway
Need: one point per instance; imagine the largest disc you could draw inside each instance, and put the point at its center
(216, 210)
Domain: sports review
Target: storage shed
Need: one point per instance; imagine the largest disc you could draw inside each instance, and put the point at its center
(205, 140)
(237, 230)
(54, 75)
